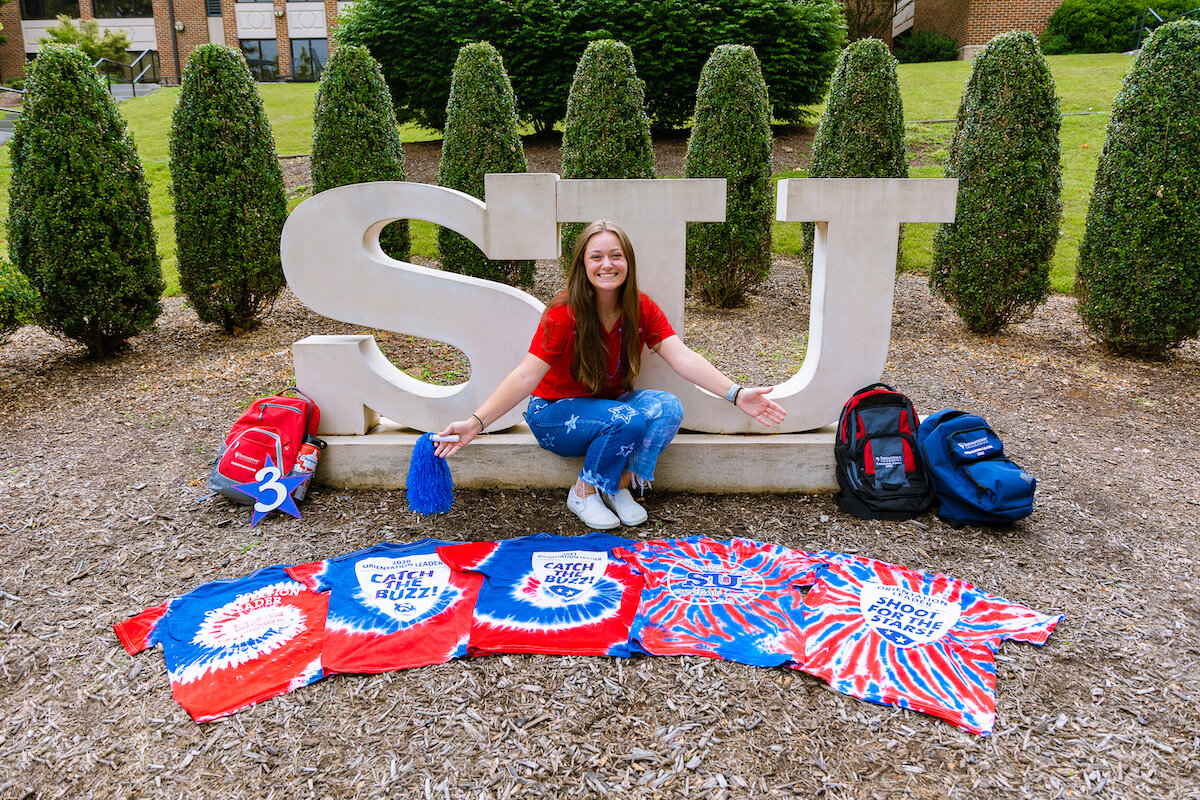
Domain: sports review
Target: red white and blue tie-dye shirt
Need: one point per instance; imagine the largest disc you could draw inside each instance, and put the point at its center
(921, 641)
(392, 606)
(233, 643)
(557, 595)
(738, 600)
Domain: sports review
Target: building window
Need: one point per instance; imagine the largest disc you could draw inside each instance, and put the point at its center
(214, 8)
(105, 9)
(49, 9)
(263, 58)
(308, 58)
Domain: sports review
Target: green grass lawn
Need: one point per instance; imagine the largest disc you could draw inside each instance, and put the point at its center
(1085, 83)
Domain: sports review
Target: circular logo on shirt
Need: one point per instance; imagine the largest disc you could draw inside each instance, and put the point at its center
(907, 618)
(711, 583)
(258, 622)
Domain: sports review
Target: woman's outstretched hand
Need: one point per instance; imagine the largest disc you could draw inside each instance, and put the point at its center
(466, 430)
(755, 403)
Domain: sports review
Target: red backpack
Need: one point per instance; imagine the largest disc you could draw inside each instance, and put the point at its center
(276, 427)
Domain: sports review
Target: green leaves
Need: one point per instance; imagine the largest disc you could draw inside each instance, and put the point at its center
(731, 139)
(992, 264)
(1138, 277)
(79, 211)
(228, 191)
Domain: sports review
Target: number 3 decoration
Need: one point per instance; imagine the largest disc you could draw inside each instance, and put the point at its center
(271, 491)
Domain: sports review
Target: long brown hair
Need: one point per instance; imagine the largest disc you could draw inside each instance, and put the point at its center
(589, 364)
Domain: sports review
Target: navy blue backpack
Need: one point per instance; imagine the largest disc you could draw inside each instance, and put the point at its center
(976, 483)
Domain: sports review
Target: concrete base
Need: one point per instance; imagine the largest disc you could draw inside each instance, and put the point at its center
(695, 462)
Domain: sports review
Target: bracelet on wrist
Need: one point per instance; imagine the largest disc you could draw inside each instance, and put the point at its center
(732, 394)
(736, 395)
(477, 419)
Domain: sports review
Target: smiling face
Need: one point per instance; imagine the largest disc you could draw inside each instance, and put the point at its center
(604, 260)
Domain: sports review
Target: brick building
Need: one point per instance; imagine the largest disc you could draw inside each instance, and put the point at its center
(282, 39)
(972, 23)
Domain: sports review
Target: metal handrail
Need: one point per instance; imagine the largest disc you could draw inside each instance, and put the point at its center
(133, 81)
(1142, 25)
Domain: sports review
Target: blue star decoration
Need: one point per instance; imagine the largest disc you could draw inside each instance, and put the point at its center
(270, 492)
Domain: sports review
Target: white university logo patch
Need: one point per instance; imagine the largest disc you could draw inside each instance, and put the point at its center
(567, 577)
(404, 588)
(907, 618)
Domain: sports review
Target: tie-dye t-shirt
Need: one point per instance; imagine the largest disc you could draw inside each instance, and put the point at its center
(558, 595)
(738, 600)
(922, 641)
(392, 606)
(233, 643)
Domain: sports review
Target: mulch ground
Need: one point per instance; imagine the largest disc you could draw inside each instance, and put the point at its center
(103, 463)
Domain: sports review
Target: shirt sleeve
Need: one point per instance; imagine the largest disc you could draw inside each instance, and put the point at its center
(987, 617)
(552, 334)
(312, 575)
(141, 632)
(654, 323)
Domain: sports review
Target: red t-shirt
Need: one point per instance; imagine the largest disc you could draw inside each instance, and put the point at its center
(554, 343)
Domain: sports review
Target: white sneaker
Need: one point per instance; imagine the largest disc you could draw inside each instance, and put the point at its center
(629, 510)
(591, 509)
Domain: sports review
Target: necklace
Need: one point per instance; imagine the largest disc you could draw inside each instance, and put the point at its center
(620, 357)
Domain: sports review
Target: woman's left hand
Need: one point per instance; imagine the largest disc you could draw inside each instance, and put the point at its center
(755, 403)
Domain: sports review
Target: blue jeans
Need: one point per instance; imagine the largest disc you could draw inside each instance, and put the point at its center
(613, 436)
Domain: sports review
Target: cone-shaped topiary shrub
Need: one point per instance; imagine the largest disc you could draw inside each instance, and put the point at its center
(79, 209)
(18, 300)
(993, 262)
(480, 137)
(731, 139)
(606, 133)
(355, 135)
(1138, 278)
(861, 134)
(228, 190)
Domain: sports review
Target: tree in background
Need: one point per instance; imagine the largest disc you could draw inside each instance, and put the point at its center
(228, 191)
(868, 19)
(18, 300)
(355, 135)
(607, 132)
(79, 208)
(113, 45)
(861, 134)
(481, 137)
(1138, 278)
(992, 264)
(731, 139)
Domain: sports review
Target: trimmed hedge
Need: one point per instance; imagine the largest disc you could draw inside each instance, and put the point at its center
(993, 262)
(919, 47)
(416, 41)
(861, 134)
(355, 135)
(228, 191)
(731, 139)
(481, 137)
(607, 132)
(18, 300)
(1138, 277)
(1102, 26)
(79, 223)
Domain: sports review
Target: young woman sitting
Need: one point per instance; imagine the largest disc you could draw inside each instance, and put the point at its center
(579, 375)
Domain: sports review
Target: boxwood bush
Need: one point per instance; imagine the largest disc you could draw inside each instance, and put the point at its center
(1102, 26)
(861, 134)
(18, 300)
(993, 262)
(731, 139)
(417, 42)
(355, 135)
(79, 210)
(481, 137)
(1138, 278)
(607, 132)
(228, 191)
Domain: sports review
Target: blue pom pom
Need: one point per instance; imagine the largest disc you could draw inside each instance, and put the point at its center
(430, 488)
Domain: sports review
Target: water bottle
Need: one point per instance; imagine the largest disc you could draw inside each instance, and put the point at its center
(306, 464)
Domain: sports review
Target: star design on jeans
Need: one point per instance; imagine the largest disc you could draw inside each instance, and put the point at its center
(625, 450)
(572, 422)
(622, 412)
(546, 442)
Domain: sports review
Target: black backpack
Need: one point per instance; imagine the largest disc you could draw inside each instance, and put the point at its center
(880, 472)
